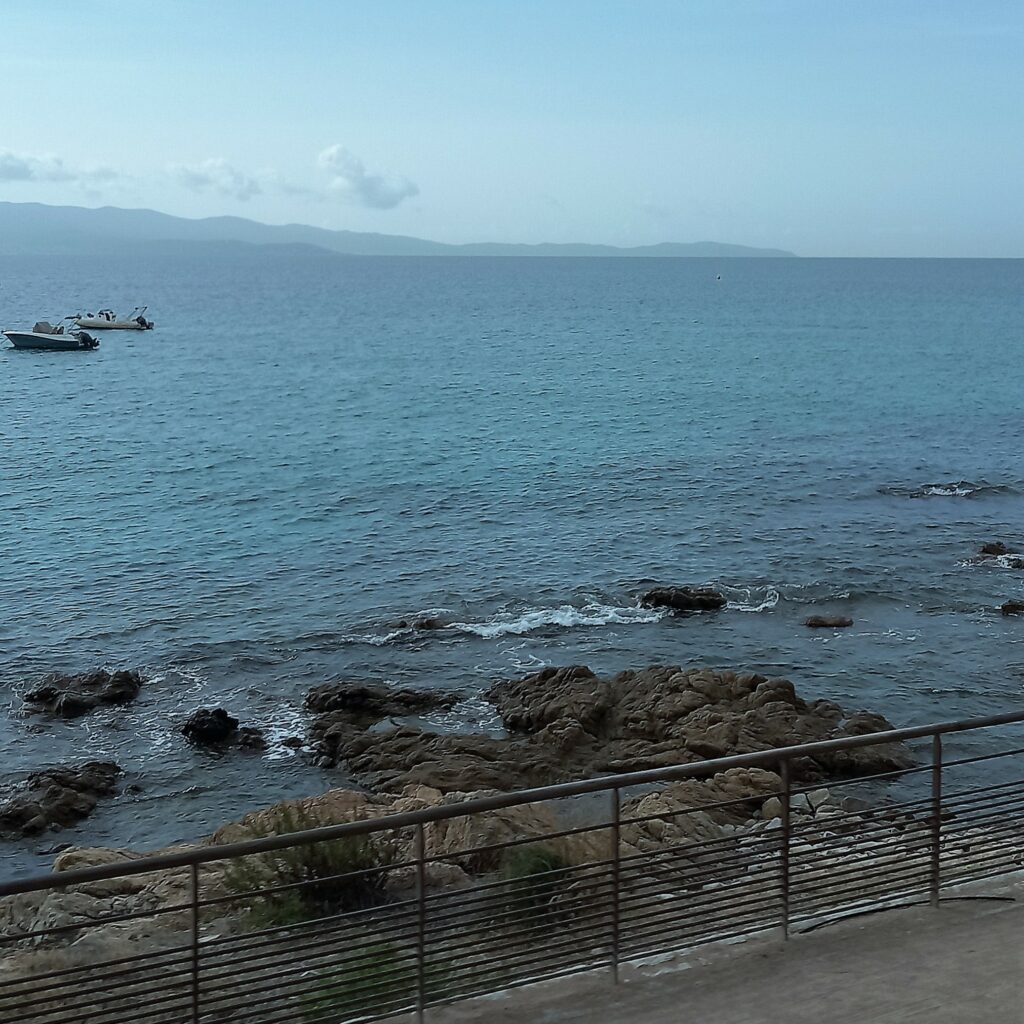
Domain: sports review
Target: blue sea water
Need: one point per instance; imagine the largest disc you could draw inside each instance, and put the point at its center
(309, 449)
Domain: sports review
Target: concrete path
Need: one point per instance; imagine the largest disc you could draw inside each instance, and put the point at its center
(960, 964)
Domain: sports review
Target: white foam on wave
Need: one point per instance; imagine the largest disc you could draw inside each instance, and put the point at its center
(748, 602)
(567, 616)
(948, 490)
(1011, 560)
(379, 639)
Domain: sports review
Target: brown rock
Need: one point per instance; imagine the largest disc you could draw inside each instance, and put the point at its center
(995, 548)
(684, 599)
(828, 621)
(56, 797)
(568, 723)
(73, 695)
(1012, 608)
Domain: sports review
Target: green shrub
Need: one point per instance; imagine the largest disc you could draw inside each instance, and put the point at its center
(379, 978)
(536, 874)
(329, 877)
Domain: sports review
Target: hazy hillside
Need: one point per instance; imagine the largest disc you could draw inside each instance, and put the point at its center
(40, 229)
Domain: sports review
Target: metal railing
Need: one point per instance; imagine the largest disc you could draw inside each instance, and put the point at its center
(368, 918)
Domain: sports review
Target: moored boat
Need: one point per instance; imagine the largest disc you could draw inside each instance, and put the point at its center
(108, 320)
(45, 337)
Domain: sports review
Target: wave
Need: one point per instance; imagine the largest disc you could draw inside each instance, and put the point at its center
(952, 489)
(566, 616)
(750, 599)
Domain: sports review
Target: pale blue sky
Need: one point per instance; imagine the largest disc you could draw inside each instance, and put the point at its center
(823, 126)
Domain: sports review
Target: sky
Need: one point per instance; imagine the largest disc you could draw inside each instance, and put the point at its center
(828, 127)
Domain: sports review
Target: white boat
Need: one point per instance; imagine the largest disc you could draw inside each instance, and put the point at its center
(47, 338)
(107, 320)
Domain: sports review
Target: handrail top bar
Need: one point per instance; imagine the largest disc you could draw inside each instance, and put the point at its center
(207, 854)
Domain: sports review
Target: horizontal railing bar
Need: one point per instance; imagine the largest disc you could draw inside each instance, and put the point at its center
(815, 894)
(564, 972)
(528, 934)
(824, 889)
(704, 931)
(231, 968)
(698, 769)
(638, 942)
(910, 887)
(140, 960)
(92, 1015)
(330, 975)
(101, 986)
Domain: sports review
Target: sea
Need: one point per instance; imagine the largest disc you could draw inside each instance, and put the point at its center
(310, 449)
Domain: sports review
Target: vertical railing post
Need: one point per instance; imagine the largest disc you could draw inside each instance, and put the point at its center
(784, 799)
(616, 885)
(936, 822)
(421, 925)
(194, 878)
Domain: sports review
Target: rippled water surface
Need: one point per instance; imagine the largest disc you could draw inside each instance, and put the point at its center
(310, 449)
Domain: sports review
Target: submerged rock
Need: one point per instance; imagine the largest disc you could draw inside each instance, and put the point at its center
(995, 548)
(684, 599)
(568, 723)
(430, 623)
(828, 621)
(56, 797)
(73, 695)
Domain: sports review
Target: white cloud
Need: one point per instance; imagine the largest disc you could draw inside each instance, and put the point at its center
(350, 178)
(217, 175)
(20, 167)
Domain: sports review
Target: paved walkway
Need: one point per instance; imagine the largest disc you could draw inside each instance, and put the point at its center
(960, 964)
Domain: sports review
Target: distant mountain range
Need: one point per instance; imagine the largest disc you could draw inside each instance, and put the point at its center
(35, 228)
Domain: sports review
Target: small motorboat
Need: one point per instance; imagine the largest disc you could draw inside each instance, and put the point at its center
(108, 320)
(45, 337)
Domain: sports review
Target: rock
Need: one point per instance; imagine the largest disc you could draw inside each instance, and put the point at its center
(343, 710)
(995, 548)
(214, 727)
(684, 599)
(828, 621)
(430, 623)
(209, 725)
(567, 723)
(73, 695)
(56, 797)
(1012, 608)
(370, 702)
(249, 738)
(293, 742)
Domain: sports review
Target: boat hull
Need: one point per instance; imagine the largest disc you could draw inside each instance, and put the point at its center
(50, 342)
(97, 324)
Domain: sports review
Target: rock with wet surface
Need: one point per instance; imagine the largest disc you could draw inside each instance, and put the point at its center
(995, 548)
(56, 798)
(344, 710)
(209, 725)
(568, 723)
(684, 599)
(828, 621)
(70, 696)
(1012, 608)
(214, 727)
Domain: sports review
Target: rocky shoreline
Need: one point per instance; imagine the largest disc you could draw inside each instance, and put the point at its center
(560, 724)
